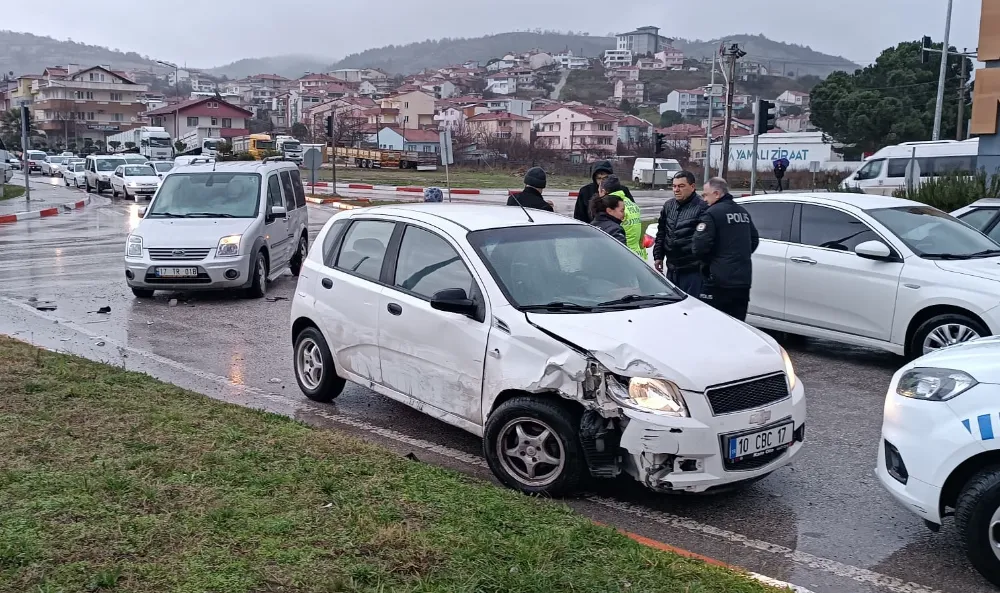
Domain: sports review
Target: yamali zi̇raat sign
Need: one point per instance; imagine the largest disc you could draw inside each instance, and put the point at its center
(769, 154)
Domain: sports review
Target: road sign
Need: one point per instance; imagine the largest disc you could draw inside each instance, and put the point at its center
(312, 159)
(447, 157)
(814, 166)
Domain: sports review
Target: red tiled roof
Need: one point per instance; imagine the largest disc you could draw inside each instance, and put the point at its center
(335, 88)
(634, 122)
(317, 77)
(180, 107)
(420, 136)
(268, 77)
(682, 130)
(498, 116)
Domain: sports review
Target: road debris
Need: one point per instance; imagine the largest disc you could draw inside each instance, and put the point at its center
(104, 310)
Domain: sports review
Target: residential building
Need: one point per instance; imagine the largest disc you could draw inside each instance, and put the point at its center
(416, 109)
(698, 148)
(630, 73)
(391, 138)
(539, 59)
(568, 61)
(649, 64)
(795, 123)
(299, 102)
(21, 92)
(85, 104)
(633, 91)
(633, 131)
(501, 64)
(687, 102)
(212, 116)
(616, 58)
(201, 84)
(178, 75)
(643, 41)
(576, 129)
(797, 98)
(671, 57)
(271, 81)
(348, 74)
(367, 88)
(453, 117)
(500, 125)
(382, 116)
(311, 82)
(510, 105)
(443, 89)
(501, 84)
(748, 70)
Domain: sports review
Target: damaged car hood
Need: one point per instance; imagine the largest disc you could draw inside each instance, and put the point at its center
(688, 343)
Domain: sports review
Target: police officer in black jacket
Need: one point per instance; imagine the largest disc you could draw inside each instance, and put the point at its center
(724, 240)
(675, 232)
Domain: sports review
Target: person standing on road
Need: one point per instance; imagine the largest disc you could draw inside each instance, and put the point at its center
(724, 241)
(607, 212)
(531, 197)
(598, 172)
(632, 223)
(675, 232)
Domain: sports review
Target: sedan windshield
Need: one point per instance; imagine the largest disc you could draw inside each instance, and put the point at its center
(135, 160)
(58, 160)
(207, 195)
(139, 171)
(569, 268)
(932, 234)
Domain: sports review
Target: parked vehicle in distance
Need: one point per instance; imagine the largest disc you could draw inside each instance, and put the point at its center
(983, 215)
(75, 174)
(51, 165)
(133, 159)
(161, 167)
(198, 143)
(642, 170)
(254, 144)
(885, 171)
(871, 271)
(150, 141)
(532, 332)
(134, 181)
(34, 159)
(289, 147)
(98, 170)
(939, 449)
(235, 225)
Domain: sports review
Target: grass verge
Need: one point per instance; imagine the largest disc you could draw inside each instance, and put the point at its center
(113, 481)
(459, 178)
(11, 191)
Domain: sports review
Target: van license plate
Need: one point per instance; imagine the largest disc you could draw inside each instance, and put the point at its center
(176, 272)
(765, 441)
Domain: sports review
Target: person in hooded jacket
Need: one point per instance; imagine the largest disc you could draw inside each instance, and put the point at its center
(632, 223)
(531, 197)
(607, 212)
(598, 172)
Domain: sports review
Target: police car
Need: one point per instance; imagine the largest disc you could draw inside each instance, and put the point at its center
(940, 449)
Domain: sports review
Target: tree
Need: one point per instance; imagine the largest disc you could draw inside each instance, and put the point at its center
(180, 146)
(670, 118)
(889, 102)
(10, 128)
(114, 144)
(628, 107)
(300, 131)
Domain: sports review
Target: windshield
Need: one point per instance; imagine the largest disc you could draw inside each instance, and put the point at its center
(163, 167)
(212, 143)
(109, 164)
(36, 156)
(159, 142)
(265, 145)
(207, 194)
(139, 171)
(932, 234)
(132, 160)
(58, 160)
(568, 265)
(77, 167)
(291, 145)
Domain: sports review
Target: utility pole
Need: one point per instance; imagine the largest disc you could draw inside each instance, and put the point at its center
(960, 122)
(25, 114)
(708, 144)
(942, 75)
(733, 53)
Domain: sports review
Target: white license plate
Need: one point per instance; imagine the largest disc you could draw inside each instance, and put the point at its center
(176, 272)
(758, 443)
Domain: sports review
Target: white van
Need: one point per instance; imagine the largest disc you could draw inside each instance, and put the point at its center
(885, 171)
(98, 171)
(672, 166)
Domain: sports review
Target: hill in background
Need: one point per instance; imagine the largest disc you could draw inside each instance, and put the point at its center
(290, 66)
(24, 53)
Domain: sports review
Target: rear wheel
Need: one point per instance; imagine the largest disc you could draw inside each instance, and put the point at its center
(114, 192)
(88, 186)
(301, 252)
(142, 293)
(258, 287)
(314, 367)
(942, 331)
(977, 517)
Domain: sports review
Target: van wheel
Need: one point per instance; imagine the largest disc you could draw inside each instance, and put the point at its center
(942, 331)
(301, 252)
(532, 445)
(258, 288)
(88, 186)
(977, 517)
(315, 371)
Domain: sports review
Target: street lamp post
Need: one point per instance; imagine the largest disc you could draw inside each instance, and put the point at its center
(177, 93)
(939, 108)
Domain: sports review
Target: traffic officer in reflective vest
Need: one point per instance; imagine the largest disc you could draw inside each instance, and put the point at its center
(724, 240)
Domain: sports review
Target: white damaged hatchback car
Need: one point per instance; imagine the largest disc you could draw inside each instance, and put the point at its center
(567, 353)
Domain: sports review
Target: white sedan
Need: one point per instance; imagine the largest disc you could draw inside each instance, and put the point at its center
(940, 449)
(52, 165)
(134, 181)
(871, 271)
(75, 174)
(531, 331)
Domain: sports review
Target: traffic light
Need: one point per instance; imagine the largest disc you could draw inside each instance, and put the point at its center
(766, 120)
(660, 141)
(329, 126)
(925, 54)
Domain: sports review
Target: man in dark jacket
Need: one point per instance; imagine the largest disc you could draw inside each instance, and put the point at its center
(674, 234)
(531, 197)
(724, 240)
(599, 171)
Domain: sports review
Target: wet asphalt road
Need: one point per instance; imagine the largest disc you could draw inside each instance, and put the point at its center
(823, 524)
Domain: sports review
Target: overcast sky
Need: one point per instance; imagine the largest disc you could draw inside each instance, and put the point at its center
(203, 33)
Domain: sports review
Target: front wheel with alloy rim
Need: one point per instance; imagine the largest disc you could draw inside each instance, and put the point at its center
(977, 517)
(532, 445)
(314, 368)
(301, 253)
(258, 288)
(942, 331)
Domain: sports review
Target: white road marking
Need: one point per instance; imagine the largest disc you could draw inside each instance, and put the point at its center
(832, 567)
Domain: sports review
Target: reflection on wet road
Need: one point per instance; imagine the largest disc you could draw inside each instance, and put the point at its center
(823, 523)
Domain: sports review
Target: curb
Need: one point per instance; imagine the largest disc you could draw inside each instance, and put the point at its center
(464, 191)
(6, 218)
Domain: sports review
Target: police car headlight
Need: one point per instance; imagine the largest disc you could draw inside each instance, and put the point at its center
(933, 384)
(649, 395)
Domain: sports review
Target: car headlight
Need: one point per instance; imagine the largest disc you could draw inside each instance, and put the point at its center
(133, 247)
(649, 395)
(789, 370)
(229, 246)
(934, 384)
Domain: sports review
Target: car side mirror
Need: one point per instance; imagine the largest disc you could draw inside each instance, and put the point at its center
(454, 300)
(278, 212)
(876, 250)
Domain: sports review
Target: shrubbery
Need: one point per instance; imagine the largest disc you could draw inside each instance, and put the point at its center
(952, 191)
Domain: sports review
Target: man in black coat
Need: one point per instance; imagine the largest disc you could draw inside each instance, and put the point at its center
(599, 171)
(531, 197)
(675, 232)
(724, 240)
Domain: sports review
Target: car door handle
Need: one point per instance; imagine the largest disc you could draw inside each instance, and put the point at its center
(804, 260)
(394, 309)
(327, 283)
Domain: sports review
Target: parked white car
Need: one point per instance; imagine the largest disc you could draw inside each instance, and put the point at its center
(940, 449)
(52, 165)
(161, 167)
(134, 181)
(533, 333)
(982, 214)
(75, 174)
(870, 271)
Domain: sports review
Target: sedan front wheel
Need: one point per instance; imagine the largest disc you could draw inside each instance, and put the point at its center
(942, 331)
